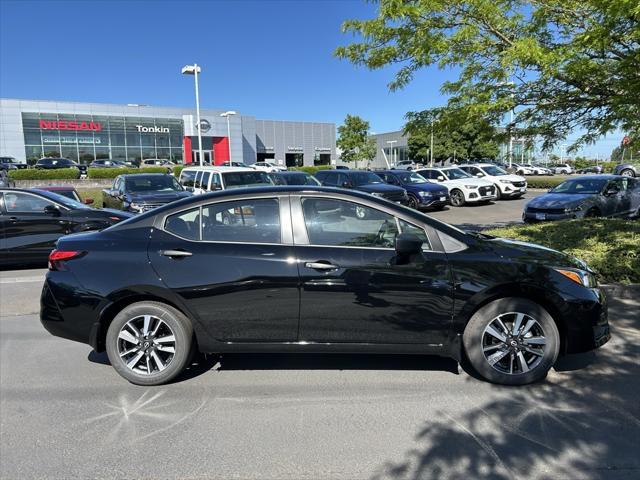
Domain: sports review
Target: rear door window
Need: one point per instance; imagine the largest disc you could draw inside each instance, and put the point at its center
(246, 221)
(205, 180)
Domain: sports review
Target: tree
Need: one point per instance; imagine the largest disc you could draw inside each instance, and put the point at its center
(629, 152)
(455, 134)
(353, 140)
(562, 64)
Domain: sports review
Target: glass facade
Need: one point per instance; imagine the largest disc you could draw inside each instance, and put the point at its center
(85, 138)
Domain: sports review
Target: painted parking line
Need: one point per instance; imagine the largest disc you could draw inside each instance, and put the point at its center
(22, 280)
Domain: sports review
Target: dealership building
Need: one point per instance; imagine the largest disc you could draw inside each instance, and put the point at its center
(32, 129)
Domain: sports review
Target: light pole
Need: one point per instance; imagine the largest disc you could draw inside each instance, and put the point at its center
(562, 148)
(391, 142)
(195, 70)
(431, 147)
(227, 115)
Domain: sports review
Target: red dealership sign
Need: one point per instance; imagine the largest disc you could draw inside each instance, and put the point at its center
(70, 125)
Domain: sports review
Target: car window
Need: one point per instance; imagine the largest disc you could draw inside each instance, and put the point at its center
(152, 183)
(205, 180)
(406, 227)
(342, 223)
(17, 202)
(215, 180)
(187, 177)
(330, 179)
(245, 179)
(184, 224)
(410, 178)
(196, 182)
(249, 221)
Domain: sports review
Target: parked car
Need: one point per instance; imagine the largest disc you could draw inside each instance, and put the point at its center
(406, 165)
(10, 163)
(507, 186)
(592, 196)
(208, 179)
(341, 167)
(141, 192)
(234, 164)
(563, 169)
(268, 167)
(158, 162)
(177, 279)
(67, 191)
(362, 181)
(522, 169)
(32, 220)
(294, 178)
(541, 170)
(5, 181)
(52, 163)
(463, 188)
(106, 163)
(597, 169)
(627, 170)
(420, 191)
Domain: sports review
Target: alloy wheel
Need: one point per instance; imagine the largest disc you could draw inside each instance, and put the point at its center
(146, 344)
(457, 198)
(413, 202)
(514, 343)
(627, 173)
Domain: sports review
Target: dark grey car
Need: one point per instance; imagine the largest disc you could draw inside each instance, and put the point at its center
(627, 170)
(592, 196)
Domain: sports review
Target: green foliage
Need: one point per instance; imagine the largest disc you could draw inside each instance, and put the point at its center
(353, 140)
(607, 167)
(114, 172)
(561, 64)
(94, 193)
(455, 134)
(545, 182)
(311, 170)
(611, 247)
(630, 154)
(36, 174)
(177, 169)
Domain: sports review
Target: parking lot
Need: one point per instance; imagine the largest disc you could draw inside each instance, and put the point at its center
(66, 413)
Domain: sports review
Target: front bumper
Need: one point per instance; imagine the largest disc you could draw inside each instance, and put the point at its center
(433, 201)
(587, 321)
(530, 217)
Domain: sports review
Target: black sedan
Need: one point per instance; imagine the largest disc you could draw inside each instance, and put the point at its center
(32, 220)
(140, 192)
(54, 163)
(592, 196)
(293, 270)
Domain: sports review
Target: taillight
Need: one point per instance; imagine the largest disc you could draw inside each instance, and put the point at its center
(58, 256)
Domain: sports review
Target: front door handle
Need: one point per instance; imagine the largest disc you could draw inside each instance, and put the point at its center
(13, 219)
(175, 253)
(321, 266)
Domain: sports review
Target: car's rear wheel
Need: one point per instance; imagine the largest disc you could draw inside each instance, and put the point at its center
(512, 341)
(457, 198)
(149, 343)
(627, 172)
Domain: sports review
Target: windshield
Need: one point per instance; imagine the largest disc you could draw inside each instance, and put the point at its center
(155, 183)
(494, 171)
(580, 186)
(300, 179)
(364, 178)
(411, 177)
(456, 174)
(245, 179)
(62, 200)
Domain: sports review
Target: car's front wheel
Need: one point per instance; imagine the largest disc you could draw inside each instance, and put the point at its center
(413, 202)
(457, 198)
(149, 343)
(512, 341)
(627, 173)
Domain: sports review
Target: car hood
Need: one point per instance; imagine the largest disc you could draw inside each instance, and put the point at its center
(534, 253)
(559, 200)
(115, 213)
(470, 181)
(379, 188)
(159, 197)
(434, 188)
(512, 178)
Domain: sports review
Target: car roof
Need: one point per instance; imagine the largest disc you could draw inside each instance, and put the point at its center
(139, 175)
(56, 188)
(605, 176)
(218, 168)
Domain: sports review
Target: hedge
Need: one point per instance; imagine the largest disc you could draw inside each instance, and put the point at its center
(177, 169)
(37, 174)
(311, 170)
(610, 246)
(545, 182)
(114, 172)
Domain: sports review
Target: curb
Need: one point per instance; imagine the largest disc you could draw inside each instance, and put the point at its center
(625, 292)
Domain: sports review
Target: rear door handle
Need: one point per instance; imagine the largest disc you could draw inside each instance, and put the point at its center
(13, 219)
(321, 266)
(175, 253)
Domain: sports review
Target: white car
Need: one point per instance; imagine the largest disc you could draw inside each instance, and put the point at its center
(463, 188)
(523, 169)
(540, 170)
(407, 165)
(199, 180)
(268, 167)
(563, 169)
(507, 186)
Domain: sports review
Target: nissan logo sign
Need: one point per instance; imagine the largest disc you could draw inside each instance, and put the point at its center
(204, 126)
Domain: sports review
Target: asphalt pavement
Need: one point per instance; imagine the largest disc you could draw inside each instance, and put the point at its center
(65, 413)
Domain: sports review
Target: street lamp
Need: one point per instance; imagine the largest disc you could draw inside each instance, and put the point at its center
(195, 70)
(391, 142)
(431, 147)
(227, 115)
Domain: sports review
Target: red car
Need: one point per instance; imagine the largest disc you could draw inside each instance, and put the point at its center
(67, 191)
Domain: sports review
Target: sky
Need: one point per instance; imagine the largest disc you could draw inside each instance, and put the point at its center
(269, 58)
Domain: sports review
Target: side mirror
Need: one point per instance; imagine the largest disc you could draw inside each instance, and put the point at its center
(346, 184)
(87, 201)
(479, 175)
(612, 191)
(440, 178)
(408, 244)
(52, 210)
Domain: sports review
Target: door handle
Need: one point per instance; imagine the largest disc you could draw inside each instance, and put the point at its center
(13, 219)
(321, 266)
(175, 253)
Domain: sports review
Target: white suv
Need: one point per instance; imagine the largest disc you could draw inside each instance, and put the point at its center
(268, 167)
(507, 186)
(407, 165)
(564, 168)
(463, 188)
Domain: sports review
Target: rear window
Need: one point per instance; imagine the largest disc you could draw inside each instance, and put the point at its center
(245, 179)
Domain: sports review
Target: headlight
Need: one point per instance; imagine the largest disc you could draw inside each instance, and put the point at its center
(376, 194)
(424, 194)
(573, 209)
(135, 206)
(471, 186)
(582, 277)
(505, 181)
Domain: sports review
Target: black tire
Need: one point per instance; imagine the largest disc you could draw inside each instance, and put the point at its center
(627, 172)
(456, 197)
(498, 193)
(179, 326)
(413, 202)
(475, 336)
